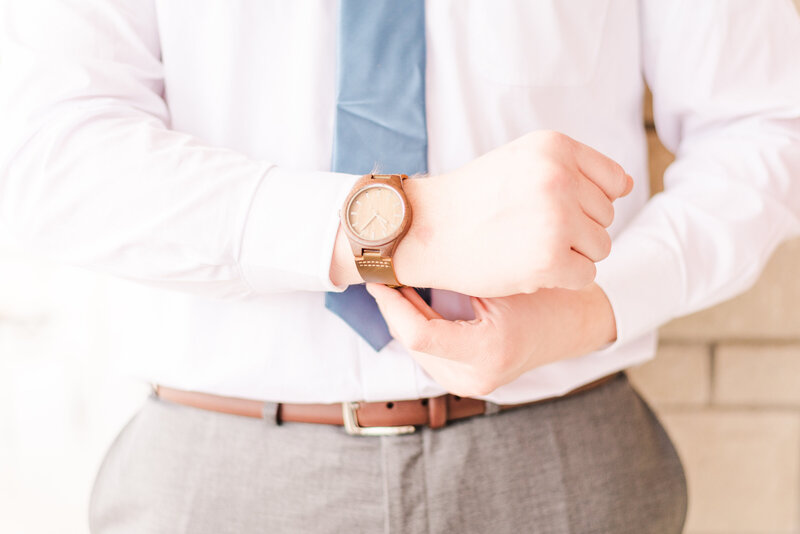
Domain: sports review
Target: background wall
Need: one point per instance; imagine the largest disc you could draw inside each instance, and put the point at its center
(726, 383)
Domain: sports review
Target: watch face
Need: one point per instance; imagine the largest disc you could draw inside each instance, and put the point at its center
(375, 213)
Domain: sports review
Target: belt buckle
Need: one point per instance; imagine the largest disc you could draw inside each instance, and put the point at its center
(352, 427)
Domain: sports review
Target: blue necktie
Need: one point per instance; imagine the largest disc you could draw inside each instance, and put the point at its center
(380, 117)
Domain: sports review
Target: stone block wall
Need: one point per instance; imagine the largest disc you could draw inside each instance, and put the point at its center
(726, 384)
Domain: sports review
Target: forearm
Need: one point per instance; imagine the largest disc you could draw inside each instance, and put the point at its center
(732, 117)
(729, 200)
(126, 196)
(93, 173)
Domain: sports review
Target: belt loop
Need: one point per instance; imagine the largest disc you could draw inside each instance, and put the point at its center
(437, 411)
(271, 413)
(490, 408)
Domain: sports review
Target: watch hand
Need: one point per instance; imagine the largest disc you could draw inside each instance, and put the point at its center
(367, 223)
(383, 221)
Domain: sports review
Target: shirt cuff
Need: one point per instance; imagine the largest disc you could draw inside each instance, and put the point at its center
(643, 281)
(290, 230)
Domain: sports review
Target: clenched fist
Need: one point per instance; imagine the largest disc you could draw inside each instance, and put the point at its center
(531, 214)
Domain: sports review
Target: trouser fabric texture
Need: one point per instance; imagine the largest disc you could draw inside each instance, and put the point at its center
(595, 462)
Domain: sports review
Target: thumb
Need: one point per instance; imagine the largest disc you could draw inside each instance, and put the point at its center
(404, 319)
(422, 331)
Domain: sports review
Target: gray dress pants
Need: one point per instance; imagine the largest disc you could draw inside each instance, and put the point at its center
(595, 462)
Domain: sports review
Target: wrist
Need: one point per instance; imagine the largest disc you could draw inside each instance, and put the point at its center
(598, 318)
(343, 266)
(409, 257)
(413, 257)
(570, 323)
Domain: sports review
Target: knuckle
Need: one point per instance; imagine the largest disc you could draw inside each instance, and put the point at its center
(551, 140)
(554, 177)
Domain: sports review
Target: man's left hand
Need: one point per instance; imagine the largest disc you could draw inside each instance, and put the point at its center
(508, 336)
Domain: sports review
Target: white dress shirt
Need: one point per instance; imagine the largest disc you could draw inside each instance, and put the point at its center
(185, 145)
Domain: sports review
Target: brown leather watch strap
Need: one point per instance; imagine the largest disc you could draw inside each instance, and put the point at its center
(376, 268)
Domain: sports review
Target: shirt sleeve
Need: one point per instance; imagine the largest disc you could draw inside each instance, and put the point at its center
(92, 175)
(725, 78)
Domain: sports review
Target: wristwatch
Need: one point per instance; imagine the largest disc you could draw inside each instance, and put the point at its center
(375, 216)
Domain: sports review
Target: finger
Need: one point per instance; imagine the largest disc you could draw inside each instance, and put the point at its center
(628, 185)
(594, 202)
(401, 316)
(591, 239)
(419, 303)
(425, 309)
(606, 173)
(440, 337)
(479, 308)
(578, 272)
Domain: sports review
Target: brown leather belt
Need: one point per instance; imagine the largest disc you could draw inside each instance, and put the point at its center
(361, 418)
